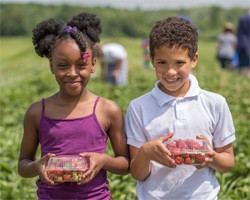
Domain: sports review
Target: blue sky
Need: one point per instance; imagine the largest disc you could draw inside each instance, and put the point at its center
(146, 4)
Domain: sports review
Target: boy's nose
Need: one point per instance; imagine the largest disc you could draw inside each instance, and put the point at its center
(171, 71)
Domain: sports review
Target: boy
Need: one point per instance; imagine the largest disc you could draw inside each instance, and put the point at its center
(177, 105)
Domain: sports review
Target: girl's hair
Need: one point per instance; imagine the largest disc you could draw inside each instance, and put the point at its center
(174, 31)
(84, 28)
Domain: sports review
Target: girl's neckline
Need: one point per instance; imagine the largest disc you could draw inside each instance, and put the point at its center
(68, 119)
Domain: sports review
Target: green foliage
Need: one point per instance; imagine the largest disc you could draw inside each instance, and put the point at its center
(20, 19)
(26, 78)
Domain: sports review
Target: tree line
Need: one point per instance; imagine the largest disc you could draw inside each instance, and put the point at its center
(19, 19)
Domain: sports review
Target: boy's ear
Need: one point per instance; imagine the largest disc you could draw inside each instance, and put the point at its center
(152, 60)
(194, 60)
(51, 66)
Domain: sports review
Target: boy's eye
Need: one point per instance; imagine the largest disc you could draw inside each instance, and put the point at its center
(160, 62)
(180, 63)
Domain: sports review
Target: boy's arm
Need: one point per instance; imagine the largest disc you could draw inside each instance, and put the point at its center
(223, 160)
(140, 167)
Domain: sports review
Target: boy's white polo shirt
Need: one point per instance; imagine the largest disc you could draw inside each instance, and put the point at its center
(155, 114)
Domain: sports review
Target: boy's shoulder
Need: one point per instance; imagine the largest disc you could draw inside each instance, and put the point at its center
(212, 98)
(143, 98)
(210, 94)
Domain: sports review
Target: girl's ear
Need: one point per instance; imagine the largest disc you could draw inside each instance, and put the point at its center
(93, 67)
(51, 66)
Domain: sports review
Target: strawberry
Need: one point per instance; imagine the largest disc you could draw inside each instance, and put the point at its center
(178, 160)
(171, 145)
(196, 145)
(66, 177)
(175, 152)
(188, 161)
(199, 158)
(181, 144)
(59, 172)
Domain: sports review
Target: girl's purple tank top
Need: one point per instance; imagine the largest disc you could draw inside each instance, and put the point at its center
(71, 137)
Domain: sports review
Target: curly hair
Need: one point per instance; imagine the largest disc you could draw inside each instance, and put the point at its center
(48, 32)
(174, 31)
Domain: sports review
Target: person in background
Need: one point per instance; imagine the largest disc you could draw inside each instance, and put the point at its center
(243, 47)
(226, 46)
(73, 121)
(146, 55)
(177, 107)
(114, 63)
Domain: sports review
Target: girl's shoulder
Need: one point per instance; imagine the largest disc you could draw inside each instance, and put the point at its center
(108, 104)
(33, 113)
(35, 108)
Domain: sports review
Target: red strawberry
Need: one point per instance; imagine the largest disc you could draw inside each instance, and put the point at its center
(190, 144)
(196, 145)
(199, 158)
(188, 161)
(175, 152)
(66, 177)
(181, 144)
(171, 145)
(178, 160)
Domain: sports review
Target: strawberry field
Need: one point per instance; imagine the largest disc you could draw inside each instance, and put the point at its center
(25, 78)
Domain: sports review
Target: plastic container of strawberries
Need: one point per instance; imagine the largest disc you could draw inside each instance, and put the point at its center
(188, 151)
(67, 168)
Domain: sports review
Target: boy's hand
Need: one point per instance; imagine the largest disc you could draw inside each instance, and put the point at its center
(211, 154)
(155, 150)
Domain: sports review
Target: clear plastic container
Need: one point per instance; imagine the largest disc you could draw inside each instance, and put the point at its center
(66, 168)
(188, 151)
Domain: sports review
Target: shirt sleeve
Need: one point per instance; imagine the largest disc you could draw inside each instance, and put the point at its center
(134, 127)
(224, 133)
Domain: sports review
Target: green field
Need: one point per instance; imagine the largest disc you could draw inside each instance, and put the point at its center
(25, 78)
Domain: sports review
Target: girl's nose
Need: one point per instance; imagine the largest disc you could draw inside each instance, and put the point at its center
(72, 71)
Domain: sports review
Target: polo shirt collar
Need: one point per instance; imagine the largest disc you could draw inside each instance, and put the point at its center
(163, 98)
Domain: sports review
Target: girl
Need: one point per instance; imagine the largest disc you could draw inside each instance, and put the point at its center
(73, 121)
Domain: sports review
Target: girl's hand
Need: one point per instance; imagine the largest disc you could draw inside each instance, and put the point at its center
(41, 166)
(155, 150)
(96, 163)
(211, 154)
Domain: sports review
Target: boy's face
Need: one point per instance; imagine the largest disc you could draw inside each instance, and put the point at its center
(172, 68)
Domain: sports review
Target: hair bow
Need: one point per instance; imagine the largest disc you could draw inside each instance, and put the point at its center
(70, 29)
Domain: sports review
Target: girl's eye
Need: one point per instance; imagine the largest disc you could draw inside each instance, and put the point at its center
(62, 66)
(82, 65)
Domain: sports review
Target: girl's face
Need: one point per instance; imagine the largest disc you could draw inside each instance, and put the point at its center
(172, 68)
(72, 72)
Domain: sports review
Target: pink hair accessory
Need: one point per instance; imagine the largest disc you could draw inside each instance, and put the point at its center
(85, 56)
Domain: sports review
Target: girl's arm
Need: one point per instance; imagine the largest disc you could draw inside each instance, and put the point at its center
(28, 166)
